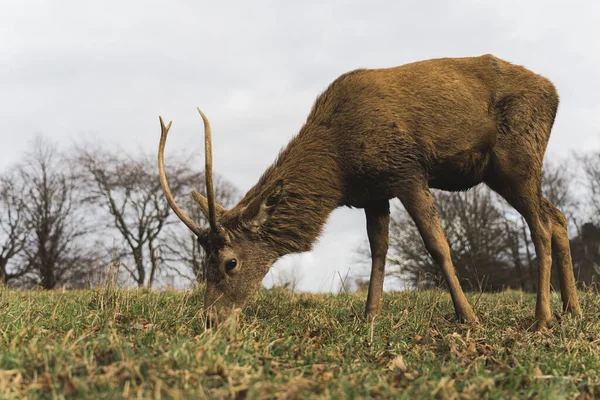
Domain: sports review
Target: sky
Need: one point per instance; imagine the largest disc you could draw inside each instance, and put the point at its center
(75, 70)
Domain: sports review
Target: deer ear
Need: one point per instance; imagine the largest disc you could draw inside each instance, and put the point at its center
(260, 209)
(203, 203)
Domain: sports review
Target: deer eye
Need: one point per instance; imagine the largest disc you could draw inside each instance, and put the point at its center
(230, 265)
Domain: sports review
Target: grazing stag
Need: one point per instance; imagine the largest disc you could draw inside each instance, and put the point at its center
(374, 135)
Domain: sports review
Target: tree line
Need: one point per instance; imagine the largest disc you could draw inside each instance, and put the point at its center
(68, 216)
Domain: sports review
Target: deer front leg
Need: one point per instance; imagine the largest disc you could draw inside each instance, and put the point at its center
(378, 221)
(419, 203)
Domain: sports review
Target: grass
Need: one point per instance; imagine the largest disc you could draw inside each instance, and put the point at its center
(114, 343)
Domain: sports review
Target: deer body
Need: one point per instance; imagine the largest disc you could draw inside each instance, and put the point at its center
(374, 135)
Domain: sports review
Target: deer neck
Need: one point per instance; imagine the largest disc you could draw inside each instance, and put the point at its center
(313, 188)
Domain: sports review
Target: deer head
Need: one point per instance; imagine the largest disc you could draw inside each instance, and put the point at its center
(238, 256)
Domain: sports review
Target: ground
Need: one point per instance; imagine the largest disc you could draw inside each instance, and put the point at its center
(112, 343)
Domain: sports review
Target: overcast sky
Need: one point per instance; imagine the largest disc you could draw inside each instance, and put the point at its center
(74, 70)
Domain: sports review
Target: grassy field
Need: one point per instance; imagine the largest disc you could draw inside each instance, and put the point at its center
(140, 344)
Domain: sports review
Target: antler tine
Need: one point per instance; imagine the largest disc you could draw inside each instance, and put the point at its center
(210, 194)
(164, 130)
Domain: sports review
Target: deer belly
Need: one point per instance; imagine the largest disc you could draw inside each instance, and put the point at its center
(460, 172)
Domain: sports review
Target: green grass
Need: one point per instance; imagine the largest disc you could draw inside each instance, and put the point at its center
(140, 344)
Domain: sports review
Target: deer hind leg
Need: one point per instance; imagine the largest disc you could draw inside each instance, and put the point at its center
(541, 235)
(561, 251)
(378, 221)
(419, 203)
(524, 195)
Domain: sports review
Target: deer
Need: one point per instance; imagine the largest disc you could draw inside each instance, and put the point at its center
(379, 134)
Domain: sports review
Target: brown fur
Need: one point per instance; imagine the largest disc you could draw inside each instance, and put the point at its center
(374, 135)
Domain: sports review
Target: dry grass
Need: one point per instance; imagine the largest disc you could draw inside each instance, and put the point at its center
(139, 344)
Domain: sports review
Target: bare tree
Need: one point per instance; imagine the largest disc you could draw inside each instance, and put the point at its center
(557, 185)
(56, 250)
(591, 167)
(586, 246)
(13, 229)
(128, 190)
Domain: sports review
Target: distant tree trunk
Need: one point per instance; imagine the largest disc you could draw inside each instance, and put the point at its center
(45, 260)
(48, 278)
(3, 271)
(138, 259)
(153, 261)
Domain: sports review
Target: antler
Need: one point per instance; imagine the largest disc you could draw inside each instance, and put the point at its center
(164, 130)
(210, 194)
